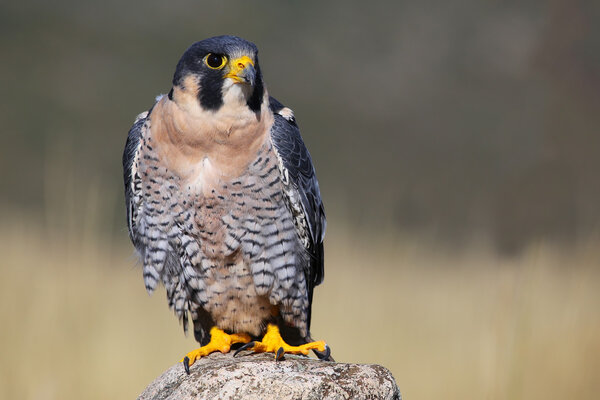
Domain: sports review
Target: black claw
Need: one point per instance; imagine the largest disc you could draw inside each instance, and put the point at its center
(323, 356)
(327, 352)
(279, 354)
(186, 364)
(244, 347)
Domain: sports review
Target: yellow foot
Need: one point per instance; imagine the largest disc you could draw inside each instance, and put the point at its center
(273, 343)
(219, 341)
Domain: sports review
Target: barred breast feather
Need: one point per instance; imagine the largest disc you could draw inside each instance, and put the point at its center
(235, 252)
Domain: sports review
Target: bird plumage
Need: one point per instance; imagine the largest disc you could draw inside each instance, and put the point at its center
(223, 204)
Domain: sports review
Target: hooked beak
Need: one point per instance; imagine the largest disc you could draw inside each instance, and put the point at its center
(242, 70)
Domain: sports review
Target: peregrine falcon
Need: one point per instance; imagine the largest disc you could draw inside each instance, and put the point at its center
(223, 205)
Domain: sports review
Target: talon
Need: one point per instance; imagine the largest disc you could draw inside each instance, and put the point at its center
(186, 364)
(272, 342)
(327, 351)
(219, 341)
(323, 356)
(279, 354)
(244, 347)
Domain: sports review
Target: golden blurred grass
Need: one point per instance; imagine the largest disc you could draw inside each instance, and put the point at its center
(77, 323)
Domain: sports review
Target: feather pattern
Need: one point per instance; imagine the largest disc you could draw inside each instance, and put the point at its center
(301, 190)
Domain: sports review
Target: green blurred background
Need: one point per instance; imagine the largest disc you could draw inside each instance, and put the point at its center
(457, 145)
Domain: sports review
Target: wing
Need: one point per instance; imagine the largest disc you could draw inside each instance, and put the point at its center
(159, 256)
(131, 179)
(303, 195)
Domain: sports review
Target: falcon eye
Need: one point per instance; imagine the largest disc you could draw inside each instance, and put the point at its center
(215, 61)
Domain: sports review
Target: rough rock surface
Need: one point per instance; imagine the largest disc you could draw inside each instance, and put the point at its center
(258, 376)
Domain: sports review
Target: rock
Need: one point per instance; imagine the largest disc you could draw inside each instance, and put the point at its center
(258, 376)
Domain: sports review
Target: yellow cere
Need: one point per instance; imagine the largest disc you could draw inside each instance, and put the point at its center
(237, 66)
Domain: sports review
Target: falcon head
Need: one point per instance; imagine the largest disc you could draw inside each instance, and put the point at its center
(219, 71)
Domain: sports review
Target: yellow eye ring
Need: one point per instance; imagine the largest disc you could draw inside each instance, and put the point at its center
(215, 61)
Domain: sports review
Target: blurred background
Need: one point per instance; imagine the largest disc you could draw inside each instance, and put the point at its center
(457, 145)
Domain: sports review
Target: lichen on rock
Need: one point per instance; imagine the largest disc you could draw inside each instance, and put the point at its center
(258, 376)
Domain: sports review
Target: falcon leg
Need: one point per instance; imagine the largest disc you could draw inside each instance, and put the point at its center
(273, 343)
(219, 341)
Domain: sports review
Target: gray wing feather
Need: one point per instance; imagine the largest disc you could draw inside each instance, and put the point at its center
(131, 148)
(296, 160)
(160, 255)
